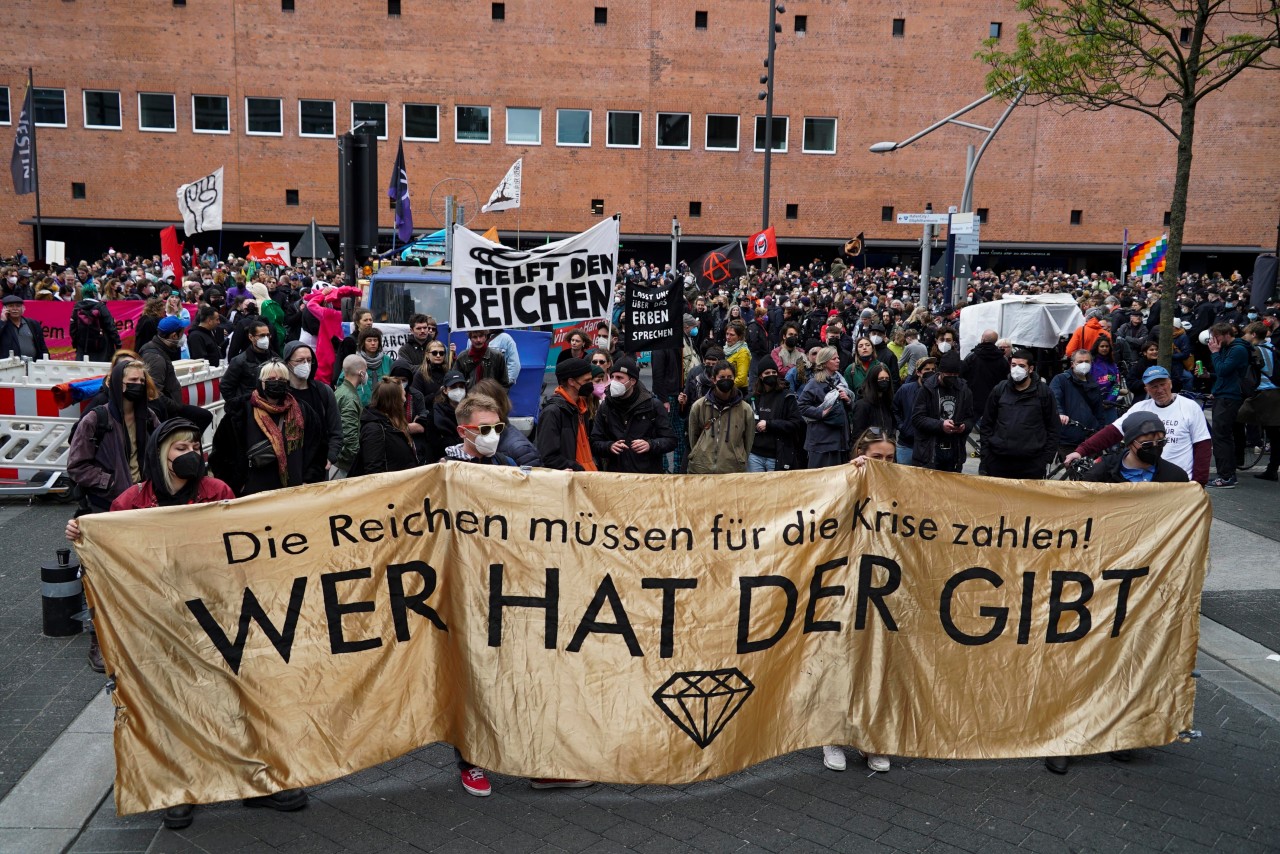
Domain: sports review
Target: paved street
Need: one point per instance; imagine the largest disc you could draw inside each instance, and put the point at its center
(1216, 792)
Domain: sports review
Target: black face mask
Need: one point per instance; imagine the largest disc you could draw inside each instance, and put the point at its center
(1150, 455)
(882, 384)
(725, 386)
(135, 392)
(947, 382)
(769, 382)
(275, 389)
(791, 340)
(188, 466)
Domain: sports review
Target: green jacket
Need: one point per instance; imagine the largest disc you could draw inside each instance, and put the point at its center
(720, 439)
(273, 313)
(349, 408)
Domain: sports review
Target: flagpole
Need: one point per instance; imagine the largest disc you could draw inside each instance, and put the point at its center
(1124, 258)
(35, 164)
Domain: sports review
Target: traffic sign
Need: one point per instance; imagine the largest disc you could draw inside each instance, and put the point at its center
(965, 223)
(966, 244)
(923, 218)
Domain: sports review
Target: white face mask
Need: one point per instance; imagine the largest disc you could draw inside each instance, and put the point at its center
(487, 446)
(1082, 368)
(1017, 373)
(602, 343)
(302, 370)
(617, 388)
(877, 340)
(944, 346)
(263, 342)
(456, 394)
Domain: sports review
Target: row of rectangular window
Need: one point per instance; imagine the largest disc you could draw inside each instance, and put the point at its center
(157, 112)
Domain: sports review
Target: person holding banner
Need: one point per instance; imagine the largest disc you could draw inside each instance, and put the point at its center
(176, 476)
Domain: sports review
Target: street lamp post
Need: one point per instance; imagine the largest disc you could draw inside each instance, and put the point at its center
(767, 97)
(972, 158)
(675, 242)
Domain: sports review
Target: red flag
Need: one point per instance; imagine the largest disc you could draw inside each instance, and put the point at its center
(265, 252)
(170, 253)
(762, 244)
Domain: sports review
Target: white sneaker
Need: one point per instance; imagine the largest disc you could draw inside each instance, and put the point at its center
(877, 762)
(833, 758)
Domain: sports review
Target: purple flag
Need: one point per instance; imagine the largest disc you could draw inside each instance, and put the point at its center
(398, 190)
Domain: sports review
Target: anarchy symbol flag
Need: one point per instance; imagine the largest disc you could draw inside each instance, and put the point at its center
(853, 248)
(721, 265)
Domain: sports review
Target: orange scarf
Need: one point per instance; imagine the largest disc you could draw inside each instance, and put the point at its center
(285, 437)
(582, 451)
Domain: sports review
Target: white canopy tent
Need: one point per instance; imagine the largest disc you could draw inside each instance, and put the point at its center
(1027, 321)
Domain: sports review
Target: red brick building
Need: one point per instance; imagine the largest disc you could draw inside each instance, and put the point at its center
(646, 108)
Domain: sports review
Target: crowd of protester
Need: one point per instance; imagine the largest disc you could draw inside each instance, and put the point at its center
(787, 368)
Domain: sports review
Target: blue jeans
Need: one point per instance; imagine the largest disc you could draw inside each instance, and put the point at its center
(760, 464)
(903, 455)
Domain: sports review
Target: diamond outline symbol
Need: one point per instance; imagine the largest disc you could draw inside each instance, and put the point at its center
(721, 694)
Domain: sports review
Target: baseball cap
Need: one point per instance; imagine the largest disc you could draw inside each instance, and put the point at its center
(170, 325)
(1141, 423)
(627, 365)
(1153, 373)
(453, 378)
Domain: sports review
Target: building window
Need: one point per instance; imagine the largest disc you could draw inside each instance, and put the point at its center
(982, 215)
(422, 122)
(622, 129)
(50, 108)
(699, 20)
(4, 105)
(779, 133)
(886, 213)
(995, 30)
(156, 112)
(1184, 36)
(1075, 217)
(315, 118)
(291, 198)
(101, 110)
(286, 5)
(179, 3)
(372, 112)
(602, 15)
(793, 211)
(722, 133)
(695, 209)
(573, 128)
(210, 114)
(819, 136)
(802, 24)
(499, 11)
(673, 130)
(264, 117)
(393, 8)
(597, 207)
(899, 27)
(471, 124)
(524, 126)
(77, 189)
(1168, 218)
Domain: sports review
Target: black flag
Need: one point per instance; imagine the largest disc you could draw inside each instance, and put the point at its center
(721, 266)
(22, 163)
(853, 248)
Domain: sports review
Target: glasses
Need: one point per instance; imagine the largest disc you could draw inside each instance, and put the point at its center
(486, 429)
(431, 328)
(435, 352)
(1158, 443)
(600, 362)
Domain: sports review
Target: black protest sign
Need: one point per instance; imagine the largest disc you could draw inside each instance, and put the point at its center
(653, 317)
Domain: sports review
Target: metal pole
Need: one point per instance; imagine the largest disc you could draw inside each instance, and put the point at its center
(675, 237)
(1124, 258)
(960, 282)
(768, 120)
(448, 230)
(926, 258)
(35, 165)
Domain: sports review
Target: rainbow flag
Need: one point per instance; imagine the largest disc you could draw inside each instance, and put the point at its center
(1147, 258)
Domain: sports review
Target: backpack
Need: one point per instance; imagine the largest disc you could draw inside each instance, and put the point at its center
(89, 324)
(101, 428)
(1252, 376)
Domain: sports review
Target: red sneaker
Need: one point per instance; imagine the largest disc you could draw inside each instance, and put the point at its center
(552, 783)
(476, 783)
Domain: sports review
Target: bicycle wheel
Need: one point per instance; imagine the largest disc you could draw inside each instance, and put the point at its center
(1252, 453)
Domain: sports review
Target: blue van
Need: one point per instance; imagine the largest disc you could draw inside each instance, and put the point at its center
(397, 293)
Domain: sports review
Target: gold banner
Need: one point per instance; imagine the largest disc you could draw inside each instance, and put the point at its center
(640, 629)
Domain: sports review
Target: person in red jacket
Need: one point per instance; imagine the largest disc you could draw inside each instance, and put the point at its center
(175, 475)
